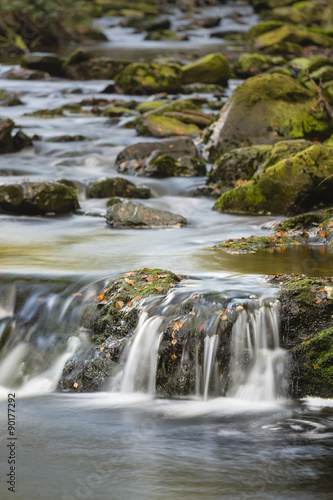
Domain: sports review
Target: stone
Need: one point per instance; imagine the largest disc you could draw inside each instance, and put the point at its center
(252, 64)
(213, 68)
(38, 198)
(41, 61)
(164, 126)
(9, 143)
(181, 146)
(9, 98)
(95, 68)
(149, 78)
(266, 109)
(292, 34)
(131, 215)
(117, 187)
(290, 186)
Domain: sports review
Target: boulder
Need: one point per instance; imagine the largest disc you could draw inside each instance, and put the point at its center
(213, 68)
(132, 215)
(9, 98)
(165, 126)
(38, 198)
(94, 68)
(149, 78)
(264, 110)
(49, 63)
(290, 186)
(117, 187)
(252, 64)
(9, 143)
(181, 146)
(161, 164)
(292, 34)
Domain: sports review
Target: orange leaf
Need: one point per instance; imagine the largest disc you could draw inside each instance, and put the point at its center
(173, 356)
(137, 298)
(108, 355)
(119, 304)
(192, 313)
(130, 304)
(101, 297)
(317, 301)
(174, 341)
(75, 385)
(77, 294)
(102, 348)
(202, 327)
(315, 366)
(159, 288)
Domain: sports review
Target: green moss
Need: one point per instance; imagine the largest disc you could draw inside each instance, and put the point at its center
(264, 27)
(143, 78)
(213, 68)
(145, 107)
(117, 187)
(292, 34)
(253, 64)
(163, 126)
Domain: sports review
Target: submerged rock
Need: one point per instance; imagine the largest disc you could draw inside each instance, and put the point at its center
(9, 98)
(213, 68)
(264, 110)
(117, 187)
(38, 198)
(79, 67)
(181, 146)
(290, 186)
(133, 215)
(149, 78)
(161, 164)
(49, 63)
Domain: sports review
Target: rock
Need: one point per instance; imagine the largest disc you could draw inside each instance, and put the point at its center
(310, 63)
(157, 25)
(40, 61)
(95, 68)
(324, 74)
(9, 98)
(292, 34)
(25, 74)
(213, 68)
(182, 146)
(305, 13)
(253, 64)
(38, 198)
(117, 187)
(77, 56)
(145, 107)
(149, 78)
(208, 22)
(131, 215)
(165, 35)
(290, 186)
(266, 109)
(160, 164)
(110, 326)
(9, 143)
(264, 27)
(163, 126)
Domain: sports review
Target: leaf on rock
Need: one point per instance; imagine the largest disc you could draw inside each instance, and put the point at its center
(119, 304)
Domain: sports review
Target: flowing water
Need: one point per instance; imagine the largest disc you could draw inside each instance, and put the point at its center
(127, 444)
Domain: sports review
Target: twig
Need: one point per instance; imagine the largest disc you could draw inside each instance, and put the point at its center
(321, 99)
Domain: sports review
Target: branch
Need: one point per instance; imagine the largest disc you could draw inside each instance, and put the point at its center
(321, 99)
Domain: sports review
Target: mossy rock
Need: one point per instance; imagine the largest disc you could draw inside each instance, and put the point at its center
(292, 34)
(323, 74)
(213, 68)
(8, 142)
(252, 64)
(264, 27)
(165, 35)
(96, 68)
(178, 147)
(149, 78)
(164, 126)
(117, 187)
(294, 184)
(50, 63)
(9, 98)
(307, 221)
(310, 63)
(305, 13)
(145, 107)
(266, 109)
(38, 198)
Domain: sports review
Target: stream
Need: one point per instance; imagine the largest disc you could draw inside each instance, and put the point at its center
(126, 444)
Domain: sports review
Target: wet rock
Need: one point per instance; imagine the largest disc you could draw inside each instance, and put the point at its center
(161, 164)
(164, 126)
(213, 68)
(208, 22)
(25, 74)
(292, 34)
(38, 198)
(266, 109)
(131, 215)
(117, 187)
(8, 142)
(157, 25)
(145, 107)
(252, 64)
(49, 63)
(69, 138)
(9, 98)
(201, 88)
(290, 186)
(182, 146)
(149, 78)
(165, 35)
(94, 68)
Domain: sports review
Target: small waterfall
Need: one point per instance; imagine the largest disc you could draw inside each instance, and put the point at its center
(256, 358)
(140, 369)
(210, 348)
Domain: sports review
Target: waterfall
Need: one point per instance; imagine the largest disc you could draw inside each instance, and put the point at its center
(140, 369)
(256, 358)
(210, 348)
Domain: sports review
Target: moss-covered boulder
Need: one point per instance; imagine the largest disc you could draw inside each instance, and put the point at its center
(252, 64)
(306, 331)
(133, 215)
(166, 126)
(50, 63)
(9, 98)
(266, 109)
(292, 185)
(149, 78)
(292, 34)
(213, 68)
(180, 146)
(110, 320)
(10, 143)
(117, 187)
(93, 68)
(161, 164)
(38, 198)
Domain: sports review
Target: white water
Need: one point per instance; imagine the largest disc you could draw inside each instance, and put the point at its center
(140, 369)
(210, 348)
(257, 359)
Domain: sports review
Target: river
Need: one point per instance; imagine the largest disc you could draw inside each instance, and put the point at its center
(133, 446)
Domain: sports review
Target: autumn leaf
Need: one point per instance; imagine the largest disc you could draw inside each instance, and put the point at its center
(159, 288)
(101, 297)
(318, 301)
(315, 366)
(224, 317)
(75, 385)
(150, 278)
(192, 313)
(174, 341)
(130, 282)
(108, 355)
(102, 348)
(137, 298)
(130, 304)
(173, 357)
(77, 294)
(202, 327)
(239, 308)
(119, 304)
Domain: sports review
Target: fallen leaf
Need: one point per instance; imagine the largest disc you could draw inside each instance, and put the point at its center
(150, 278)
(315, 366)
(130, 304)
(75, 385)
(239, 308)
(101, 297)
(173, 356)
(102, 348)
(137, 298)
(192, 313)
(202, 327)
(174, 341)
(224, 317)
(119, 304)
(108, 354)
(130, 282)
(77, 294)
(317, 301)
(159, 288)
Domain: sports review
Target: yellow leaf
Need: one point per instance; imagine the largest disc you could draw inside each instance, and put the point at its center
(174, 341)
(130, 304)
(137, 298)
(314, 366)
(119, 304)
(75, 385)
(173, 357)
(102, 348)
